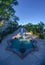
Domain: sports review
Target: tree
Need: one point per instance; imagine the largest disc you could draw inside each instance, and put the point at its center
(6, 9)
(7, 13)
(41, 29)
(28, 26)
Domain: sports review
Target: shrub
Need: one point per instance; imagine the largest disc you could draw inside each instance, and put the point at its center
(41, 36)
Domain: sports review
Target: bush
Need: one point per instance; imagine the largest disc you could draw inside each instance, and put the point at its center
(41, 36)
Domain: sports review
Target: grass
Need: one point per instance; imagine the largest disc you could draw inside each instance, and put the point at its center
(1, 25)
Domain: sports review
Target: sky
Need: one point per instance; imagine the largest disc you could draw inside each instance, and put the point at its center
(30, 11)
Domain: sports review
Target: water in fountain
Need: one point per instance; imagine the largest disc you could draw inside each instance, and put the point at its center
(21, 33)
(21, 44)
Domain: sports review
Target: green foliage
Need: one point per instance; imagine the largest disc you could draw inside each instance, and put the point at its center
(6, 8)
(12, 26)
(1, 25)
(7, 13)
(8, 30)
(41, 36)
(28, 26)
(37, 29)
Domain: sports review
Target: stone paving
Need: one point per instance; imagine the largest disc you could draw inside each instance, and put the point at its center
(34, 58)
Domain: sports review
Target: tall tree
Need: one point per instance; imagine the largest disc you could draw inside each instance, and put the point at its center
(41, 27)
(6, 9)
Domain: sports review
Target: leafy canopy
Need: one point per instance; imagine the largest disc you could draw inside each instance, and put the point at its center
(6, 9)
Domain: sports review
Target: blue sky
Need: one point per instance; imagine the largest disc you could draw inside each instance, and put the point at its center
(30, 11)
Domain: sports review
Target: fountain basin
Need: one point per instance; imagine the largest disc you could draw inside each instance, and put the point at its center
(21, 44)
